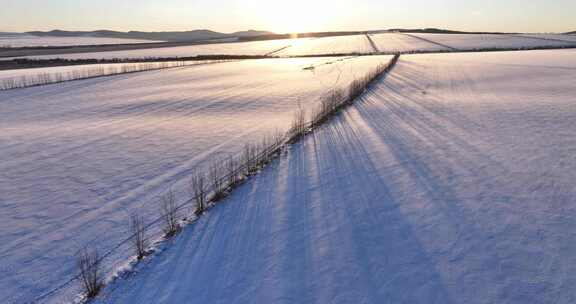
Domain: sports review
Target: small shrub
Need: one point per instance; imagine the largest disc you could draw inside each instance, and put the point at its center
(250, 159)
(231, 167)
(139, 232)
(198, 191)
(298, 128)
(246, 159)
(278, 139)
(89, 266)
(169, 214)
(263, 152)
(217, 181)
(329, 105)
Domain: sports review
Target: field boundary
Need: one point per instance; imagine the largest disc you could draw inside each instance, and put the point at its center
(278, 50)
(42, 79)
(431, 41)
(372, 44)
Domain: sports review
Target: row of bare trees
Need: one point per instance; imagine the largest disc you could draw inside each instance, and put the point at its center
(45, 78)
(205, 190)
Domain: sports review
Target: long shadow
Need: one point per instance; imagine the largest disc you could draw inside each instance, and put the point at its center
(373, 232)
(415, 147)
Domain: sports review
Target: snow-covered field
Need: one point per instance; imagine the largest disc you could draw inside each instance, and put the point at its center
(29, 40)
(78, 158)
(397, 42)
(452, 181)
(256, 48)
(281, 47)
(63, 73)
(330, 45)
(564, 37)
(388, 42)
(474, 42)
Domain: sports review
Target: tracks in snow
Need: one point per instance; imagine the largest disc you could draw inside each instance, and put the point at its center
(432, 41)
(372, 44)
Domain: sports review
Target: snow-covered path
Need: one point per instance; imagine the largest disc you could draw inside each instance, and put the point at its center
(78, 158)
(452, 181)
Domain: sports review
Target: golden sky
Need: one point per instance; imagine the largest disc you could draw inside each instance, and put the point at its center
(287, 16)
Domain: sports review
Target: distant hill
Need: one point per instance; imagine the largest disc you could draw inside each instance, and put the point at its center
(571, 33)
(195, 35)
(250, 35)
(328, 34)
(9, 34)
(201, 35)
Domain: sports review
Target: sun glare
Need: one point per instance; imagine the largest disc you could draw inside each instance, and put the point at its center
(292, 17)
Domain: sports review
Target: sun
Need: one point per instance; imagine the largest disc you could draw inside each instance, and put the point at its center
(294, 16)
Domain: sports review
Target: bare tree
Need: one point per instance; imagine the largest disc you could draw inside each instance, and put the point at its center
(139, 232)
(249, 158)
(278, 138)
(298, 127)
(84, 73)
(215, 177)
(231, 166)
(245, 163)
(169, 214)
(89, 265)
(198, 190)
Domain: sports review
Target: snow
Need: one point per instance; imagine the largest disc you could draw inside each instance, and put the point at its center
(397, 42)
(351, 44)
(358, 44)
(473, 42)
(564, 37)
(78, 158)
(255, 48)
(30, 41)
(451, 181)
(78, 69)
(281, 47)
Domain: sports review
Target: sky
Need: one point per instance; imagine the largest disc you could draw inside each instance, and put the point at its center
(287, 16)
